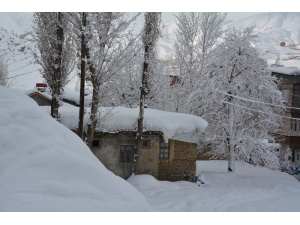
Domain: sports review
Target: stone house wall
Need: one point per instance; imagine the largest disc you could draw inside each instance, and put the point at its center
(182, 162)
(109, 152)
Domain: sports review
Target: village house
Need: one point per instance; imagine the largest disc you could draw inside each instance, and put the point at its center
(289, 135)
(42, 96)
(169, 142)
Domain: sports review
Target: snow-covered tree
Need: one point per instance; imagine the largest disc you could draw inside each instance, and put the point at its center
(186, 46)
(53, 52)
(210, 31)
(124, 89)
(196, 37)
(151, 32)
(231, 98)
(109, 50)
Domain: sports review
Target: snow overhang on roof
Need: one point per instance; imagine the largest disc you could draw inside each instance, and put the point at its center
(285, 70)
(177, 126)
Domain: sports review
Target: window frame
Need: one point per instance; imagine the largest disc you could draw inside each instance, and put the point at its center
(145, 147)
(285, 95)
(124, 151)
(164, 148)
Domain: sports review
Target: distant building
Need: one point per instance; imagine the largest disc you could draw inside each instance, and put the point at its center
(282, 44)
(290, 88)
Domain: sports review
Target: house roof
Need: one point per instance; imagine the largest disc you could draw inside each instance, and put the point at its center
(177, 126)
(285, 70)
(41, 94)
(69, 95)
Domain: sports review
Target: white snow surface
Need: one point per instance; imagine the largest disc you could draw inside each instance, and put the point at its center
(177, 126)
(285, 70)
(249, 189)
(45, 167)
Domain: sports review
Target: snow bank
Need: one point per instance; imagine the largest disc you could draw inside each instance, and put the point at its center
(285, 70)
(249, 189)
(46, 167)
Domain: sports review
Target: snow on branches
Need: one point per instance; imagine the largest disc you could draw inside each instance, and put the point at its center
(238, 70)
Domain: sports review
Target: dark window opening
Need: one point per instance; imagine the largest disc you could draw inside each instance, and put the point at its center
(146, 144)
(96, 143)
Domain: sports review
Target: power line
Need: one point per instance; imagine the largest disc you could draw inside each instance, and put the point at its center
(250, 100)
(260, 111)
(19, 68)
(21, 74)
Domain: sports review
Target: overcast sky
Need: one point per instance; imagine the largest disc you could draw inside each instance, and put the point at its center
(168, 17)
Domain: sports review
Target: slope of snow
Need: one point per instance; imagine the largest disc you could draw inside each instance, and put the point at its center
(46, 167)
(177, 126)
(273, 28)
(249, 189)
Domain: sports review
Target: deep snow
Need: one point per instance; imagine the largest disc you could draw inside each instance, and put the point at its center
(249, 189)
(46, 167)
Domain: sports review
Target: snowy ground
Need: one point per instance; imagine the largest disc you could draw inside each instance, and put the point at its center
(250, 189)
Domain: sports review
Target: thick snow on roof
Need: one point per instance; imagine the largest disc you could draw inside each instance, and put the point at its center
(68, 94)
(177, 126)
(285, 70)
(45, 167)
(75, 96)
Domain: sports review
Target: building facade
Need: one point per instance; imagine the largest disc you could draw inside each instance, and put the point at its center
(289, 135)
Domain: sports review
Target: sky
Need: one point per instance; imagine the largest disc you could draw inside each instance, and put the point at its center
(168, 17)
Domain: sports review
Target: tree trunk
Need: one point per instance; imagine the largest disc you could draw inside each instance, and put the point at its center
(93, 118)
(231, 164)
(82, 77)
(57, 72)
(144, 91)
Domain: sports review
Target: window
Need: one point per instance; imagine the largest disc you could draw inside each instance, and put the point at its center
(125, 152)
(146, 144)
(164, 150)
(285, 95)
(96, 143)
(294, 125)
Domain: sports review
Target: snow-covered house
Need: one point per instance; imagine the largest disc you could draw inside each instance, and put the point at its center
(169, 150)
(42, 96)
(290, 88)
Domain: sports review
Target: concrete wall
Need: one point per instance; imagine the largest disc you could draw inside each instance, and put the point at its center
(148, 161)
(182, 162)
(109, 152)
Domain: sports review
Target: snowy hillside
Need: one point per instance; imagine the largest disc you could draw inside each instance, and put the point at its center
(272, 29)
(46, 167)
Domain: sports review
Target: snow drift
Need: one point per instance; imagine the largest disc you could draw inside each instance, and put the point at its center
(46, 167)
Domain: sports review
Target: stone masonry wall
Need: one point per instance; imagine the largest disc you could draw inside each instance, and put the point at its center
(182, 162)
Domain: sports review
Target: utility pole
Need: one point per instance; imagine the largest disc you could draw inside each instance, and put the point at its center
(82, 75)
